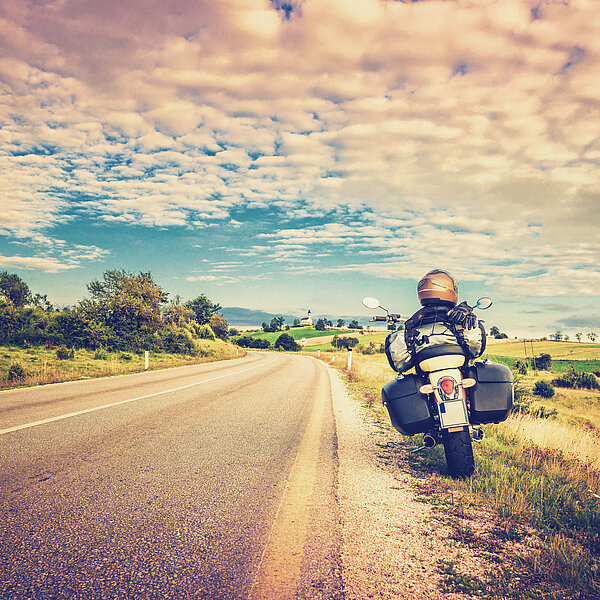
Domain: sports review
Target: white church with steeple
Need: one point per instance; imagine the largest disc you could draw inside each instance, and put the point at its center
(306, 321)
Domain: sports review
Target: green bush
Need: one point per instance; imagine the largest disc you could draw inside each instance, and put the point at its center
(372, 348)
(204, 332)
(16, 371)
(100, 354)
(247, 341)
(520, 366)
(575, 379)
(286, 342)
(126, 356)
(543, 362)
(543, 389)
(63, 353)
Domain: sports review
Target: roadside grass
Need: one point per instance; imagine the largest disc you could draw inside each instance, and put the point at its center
(536, 490)
(41, 365)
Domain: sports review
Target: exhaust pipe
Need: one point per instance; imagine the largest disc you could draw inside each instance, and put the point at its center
(478, 435)
(429, 441)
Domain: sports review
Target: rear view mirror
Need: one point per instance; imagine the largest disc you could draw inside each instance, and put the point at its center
(483, 303)
(371, 303)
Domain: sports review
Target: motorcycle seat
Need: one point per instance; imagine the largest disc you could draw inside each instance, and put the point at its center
(435, 350)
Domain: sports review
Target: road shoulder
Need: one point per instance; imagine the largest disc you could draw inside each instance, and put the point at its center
(391, 541)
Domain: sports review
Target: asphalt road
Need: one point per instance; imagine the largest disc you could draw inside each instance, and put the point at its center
(211, 481)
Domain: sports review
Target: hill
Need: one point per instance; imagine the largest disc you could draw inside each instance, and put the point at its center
(235, 315)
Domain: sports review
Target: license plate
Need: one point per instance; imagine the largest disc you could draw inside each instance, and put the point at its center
(453, 414)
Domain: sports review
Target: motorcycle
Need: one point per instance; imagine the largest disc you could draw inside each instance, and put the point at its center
(448, 395)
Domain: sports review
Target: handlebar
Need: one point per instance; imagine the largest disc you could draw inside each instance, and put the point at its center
(391, 318)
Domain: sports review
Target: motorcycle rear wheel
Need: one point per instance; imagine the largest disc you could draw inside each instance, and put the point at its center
(459, 453)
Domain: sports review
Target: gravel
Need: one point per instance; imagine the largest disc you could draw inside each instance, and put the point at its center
(391, 542)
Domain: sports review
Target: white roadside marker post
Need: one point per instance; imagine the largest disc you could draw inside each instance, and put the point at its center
(349, 365)
(146, 359)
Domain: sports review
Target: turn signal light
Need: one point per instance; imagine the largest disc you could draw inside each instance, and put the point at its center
(426, 389)
(468, 382)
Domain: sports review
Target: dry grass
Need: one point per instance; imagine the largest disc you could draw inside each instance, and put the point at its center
(573, 442)
(43, 366)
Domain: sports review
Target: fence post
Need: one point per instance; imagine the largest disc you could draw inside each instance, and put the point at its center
(146, 359)
(349, 365)
(318, 354)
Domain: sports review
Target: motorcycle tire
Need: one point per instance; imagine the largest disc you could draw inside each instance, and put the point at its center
(459, 453)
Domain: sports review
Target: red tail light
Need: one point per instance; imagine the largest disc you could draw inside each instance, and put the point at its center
(448, 386)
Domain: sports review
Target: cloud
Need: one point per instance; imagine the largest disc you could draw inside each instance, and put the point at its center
(468, 130)
(49, 265)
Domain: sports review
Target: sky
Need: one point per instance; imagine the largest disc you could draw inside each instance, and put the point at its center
(293, 154)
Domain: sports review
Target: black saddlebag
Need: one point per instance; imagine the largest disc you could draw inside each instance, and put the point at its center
(491, 400)
(407, 407)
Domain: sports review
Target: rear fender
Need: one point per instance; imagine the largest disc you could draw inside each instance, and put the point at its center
(452, 409)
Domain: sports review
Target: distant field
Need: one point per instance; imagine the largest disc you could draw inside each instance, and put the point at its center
(301, 332)
(557, 350)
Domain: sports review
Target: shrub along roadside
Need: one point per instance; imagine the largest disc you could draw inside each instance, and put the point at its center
(41, 365)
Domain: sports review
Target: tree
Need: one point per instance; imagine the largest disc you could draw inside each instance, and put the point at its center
(344, 342)
(348, 342)
(73, 327)
(220, 327)
(494, 331)
(340, 323)
(286, 342)
(128, 305)
(14, 289)
(592, 336)
(557, 335)
(176, 313)
(277, 323)
(296, 323)
(320, 325)
(354, 325)
(203, 309)
(9, 321)
(42, 302)
(578, 336)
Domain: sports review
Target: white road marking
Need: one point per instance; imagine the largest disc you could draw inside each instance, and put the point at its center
(89, 410)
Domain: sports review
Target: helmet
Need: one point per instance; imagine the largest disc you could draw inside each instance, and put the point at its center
(438, 287)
